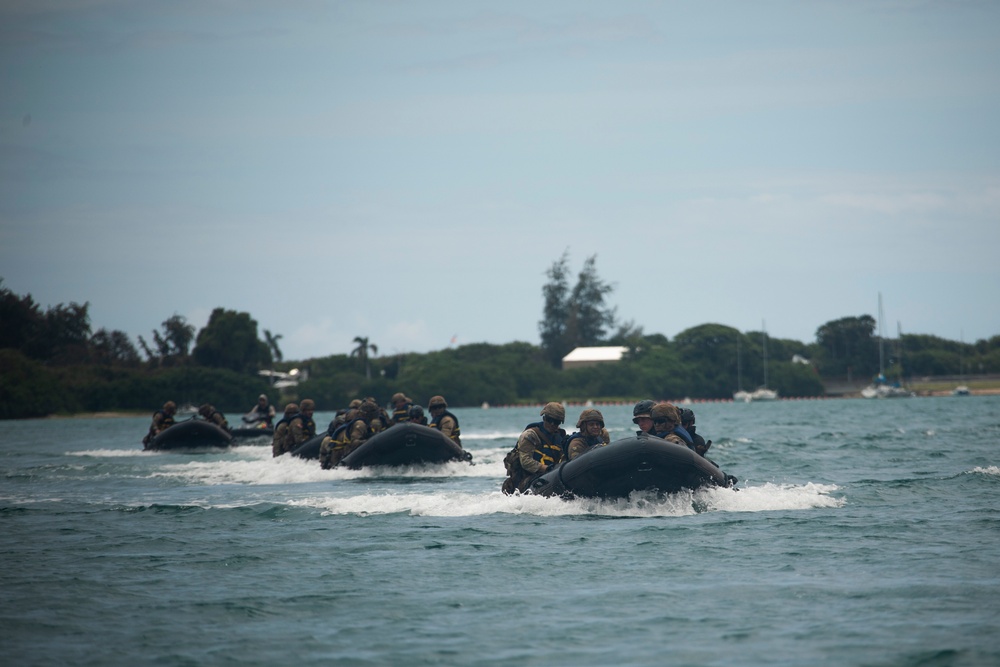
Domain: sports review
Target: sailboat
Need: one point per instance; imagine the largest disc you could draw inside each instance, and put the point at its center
(881, 388)
(762, 393)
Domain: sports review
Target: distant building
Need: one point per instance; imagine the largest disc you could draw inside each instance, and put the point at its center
(591, 356)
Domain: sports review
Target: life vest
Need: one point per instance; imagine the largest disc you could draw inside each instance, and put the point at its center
(456, 432)
(308, 425)
(263, 413)
(552, 448)
(400, 415)
(682, 432)
(589, 442)
(678, 432)
(341, 436)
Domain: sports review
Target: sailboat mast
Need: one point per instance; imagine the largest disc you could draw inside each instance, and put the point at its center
(763, 326)
(881, 354)
(739, 363)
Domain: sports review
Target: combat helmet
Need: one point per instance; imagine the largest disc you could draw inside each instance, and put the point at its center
(437, 402)
(554, 410)
(590, 415)
(291, 409)
(642, 409)
(687, 417)
(368, 410)
(666, 411)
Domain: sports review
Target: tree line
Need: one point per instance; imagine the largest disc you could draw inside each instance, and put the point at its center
(51, 361)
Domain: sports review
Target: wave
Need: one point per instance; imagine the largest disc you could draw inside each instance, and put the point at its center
(767, 497)
(988, 470)
(292, 470)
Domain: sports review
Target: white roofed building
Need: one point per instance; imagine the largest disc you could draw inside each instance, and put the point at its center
(591, 356)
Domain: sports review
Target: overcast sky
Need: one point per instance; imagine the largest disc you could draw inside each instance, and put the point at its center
(408, 171)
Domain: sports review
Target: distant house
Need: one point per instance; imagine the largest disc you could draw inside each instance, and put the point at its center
(591, 356)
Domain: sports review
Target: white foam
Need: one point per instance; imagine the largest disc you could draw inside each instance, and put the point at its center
(110, 453)
(751, 499)
(988, 470)
(265, 470)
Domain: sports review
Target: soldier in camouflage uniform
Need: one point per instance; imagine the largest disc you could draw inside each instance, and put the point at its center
(591, 434)
(348, 436)
(213, 416)
(666, 421)
(281, 436)
(302, 427)
(539, 448)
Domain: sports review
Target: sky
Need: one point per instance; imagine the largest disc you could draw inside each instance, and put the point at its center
(409, 171)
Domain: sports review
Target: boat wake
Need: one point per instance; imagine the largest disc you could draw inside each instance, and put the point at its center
(767, 497)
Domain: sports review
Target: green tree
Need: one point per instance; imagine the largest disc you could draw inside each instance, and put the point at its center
(113, 347)
(361, 352)
(229, 340)
(577, 317)
(847, 347)
(272, 344)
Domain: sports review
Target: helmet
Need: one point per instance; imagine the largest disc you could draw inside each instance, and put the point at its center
(262, 397)
(205, 410)
(687, 416)
(554, 410)
(291, 409)
(437, 402)
(356, 403)
(368, 410)
(398, 396)
(307, 404)
(416, 412)
(170, 406)
(590, 415)
(642, 409)
(666, 411)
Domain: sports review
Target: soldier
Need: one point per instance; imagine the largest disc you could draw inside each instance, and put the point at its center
(417, 415)
(591, 434)
(400, 408)
(162, 420)
(262, 412)
(348, 436)
(539, 448)
(667, 424)
(282, 436)
(687, 421)
(213, 416)
(642, 418)
(443, 420)
(301, 427)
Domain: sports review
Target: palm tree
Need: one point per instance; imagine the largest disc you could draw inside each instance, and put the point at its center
(361, 352)
(272, 344)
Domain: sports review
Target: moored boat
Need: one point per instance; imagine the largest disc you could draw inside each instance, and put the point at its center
(638, 463)
(191, 434)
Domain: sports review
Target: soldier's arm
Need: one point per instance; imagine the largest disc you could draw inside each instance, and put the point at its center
(526, 446)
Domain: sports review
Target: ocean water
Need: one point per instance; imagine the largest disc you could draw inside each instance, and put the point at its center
(861, 533)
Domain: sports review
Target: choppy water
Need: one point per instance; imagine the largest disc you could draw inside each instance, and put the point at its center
(863, 533)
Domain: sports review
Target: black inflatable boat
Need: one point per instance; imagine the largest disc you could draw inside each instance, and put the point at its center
(253, 433)
(310, 448)
(399, 445)
(191, 434)
(405, 444)
(638, 463)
